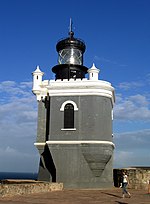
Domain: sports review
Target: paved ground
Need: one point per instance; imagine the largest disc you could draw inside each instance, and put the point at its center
(112, 196)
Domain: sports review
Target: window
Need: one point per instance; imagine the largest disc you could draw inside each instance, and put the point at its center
(68, 108)
(69, 116)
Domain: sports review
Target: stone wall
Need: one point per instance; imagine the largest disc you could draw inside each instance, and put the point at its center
(139, 177)
(28, 188)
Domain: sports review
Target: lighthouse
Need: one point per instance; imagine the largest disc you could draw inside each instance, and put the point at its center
(75, 115)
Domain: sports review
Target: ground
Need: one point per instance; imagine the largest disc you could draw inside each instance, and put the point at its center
(111, 196)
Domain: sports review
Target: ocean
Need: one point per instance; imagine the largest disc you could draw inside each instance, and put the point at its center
(17, 175)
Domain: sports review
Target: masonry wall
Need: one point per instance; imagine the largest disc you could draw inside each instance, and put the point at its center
(93, 120)
(139, 177)
(21, 188)
(77, 165)
(83, 166)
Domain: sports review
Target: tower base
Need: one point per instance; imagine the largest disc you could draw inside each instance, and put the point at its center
(78, 165)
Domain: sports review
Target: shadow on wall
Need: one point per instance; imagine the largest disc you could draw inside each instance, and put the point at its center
(47, 162)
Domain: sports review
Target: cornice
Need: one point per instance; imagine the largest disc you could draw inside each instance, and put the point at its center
(77, 87)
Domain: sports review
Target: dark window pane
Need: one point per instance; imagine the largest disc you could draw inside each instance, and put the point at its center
(69, 116)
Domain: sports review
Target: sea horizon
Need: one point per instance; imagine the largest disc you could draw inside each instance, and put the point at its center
(18, 175)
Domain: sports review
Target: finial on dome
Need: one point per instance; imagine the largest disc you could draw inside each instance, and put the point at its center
(37, 69)
(71, 33)
(93, 66)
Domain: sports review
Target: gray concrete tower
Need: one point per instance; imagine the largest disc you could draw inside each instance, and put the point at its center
(74, 135)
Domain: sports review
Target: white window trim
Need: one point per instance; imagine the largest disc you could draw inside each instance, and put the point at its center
(66, 102)
(71, 129)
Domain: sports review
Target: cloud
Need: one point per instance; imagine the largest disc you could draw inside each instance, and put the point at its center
(12, 160)
(135, 107)
(132, 148)
(133, 140)
(130, 85)
(26, 84)
(124, 159)
(17, 102)
(18, 121)
(132, 112)
(148, 78)
(103, 59)
(139, 100)
(11, 88)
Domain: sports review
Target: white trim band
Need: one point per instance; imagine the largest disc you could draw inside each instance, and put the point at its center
(81, 142)
(39, 143)
(74, 142)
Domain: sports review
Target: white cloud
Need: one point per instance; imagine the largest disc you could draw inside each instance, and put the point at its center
(18, 118)
(132, 112)
(18, 103)
(7, 84)
(103, 59)
(26, 84)
(12, 160)
(136, 107)
(10, 89)
(139, 99)
(130, 85)
(124, 159)
(134, 139)
(132, 148)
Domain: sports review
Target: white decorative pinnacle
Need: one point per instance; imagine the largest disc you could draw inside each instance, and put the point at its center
(94, 68)
(93, 73)
(38, 71)
(37, 81)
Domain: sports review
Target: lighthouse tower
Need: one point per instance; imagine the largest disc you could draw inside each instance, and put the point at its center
(74, 134)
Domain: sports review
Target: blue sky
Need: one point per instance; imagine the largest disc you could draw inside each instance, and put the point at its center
(117, 36)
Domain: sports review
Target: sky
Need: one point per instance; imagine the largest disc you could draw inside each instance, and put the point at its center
(117, 37)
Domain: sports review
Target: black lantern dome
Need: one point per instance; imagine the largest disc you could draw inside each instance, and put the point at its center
(70, 58)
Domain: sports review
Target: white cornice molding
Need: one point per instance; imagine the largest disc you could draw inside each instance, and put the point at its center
(75, 88)
(81, 87)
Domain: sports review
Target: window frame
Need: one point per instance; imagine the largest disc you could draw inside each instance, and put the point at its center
(63, 110)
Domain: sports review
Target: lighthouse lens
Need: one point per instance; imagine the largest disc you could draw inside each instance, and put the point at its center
(70, 56)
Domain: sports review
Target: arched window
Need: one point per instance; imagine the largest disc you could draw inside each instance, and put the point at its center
(69, 116)
(69, 107)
